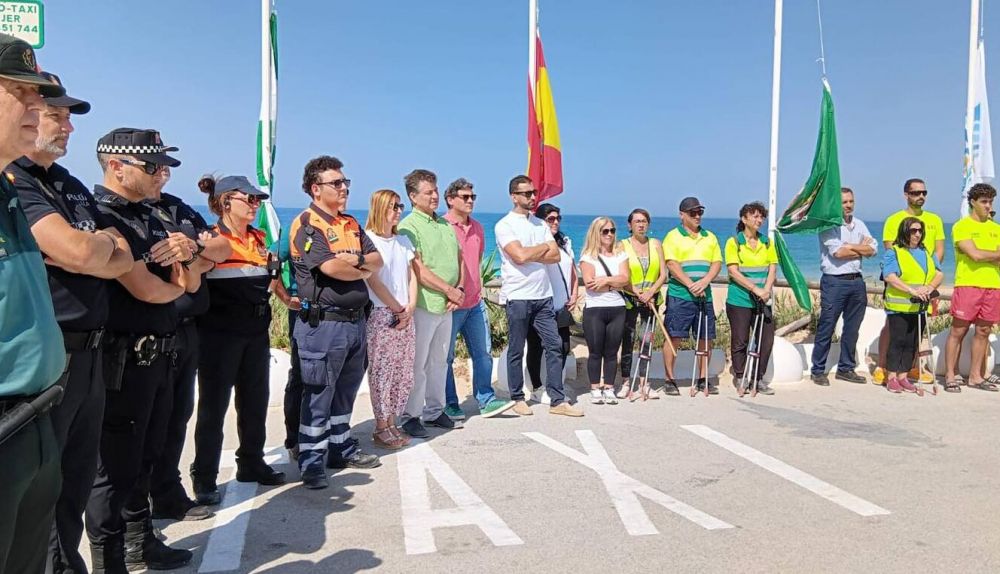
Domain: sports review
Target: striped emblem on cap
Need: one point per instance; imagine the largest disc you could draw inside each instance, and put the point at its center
(130, 149)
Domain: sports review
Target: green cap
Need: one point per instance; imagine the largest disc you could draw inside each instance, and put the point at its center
(17, 63)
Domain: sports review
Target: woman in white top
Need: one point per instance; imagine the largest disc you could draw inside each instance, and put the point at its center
(604, 267)
(391, 339)
(564, 295)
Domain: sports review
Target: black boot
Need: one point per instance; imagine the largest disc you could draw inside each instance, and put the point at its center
(144, 550)
(108, 558)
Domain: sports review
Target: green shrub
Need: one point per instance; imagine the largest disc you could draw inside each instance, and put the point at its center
(279, 325)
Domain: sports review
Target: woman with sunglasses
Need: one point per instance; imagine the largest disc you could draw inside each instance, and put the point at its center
(604, 267)
(564, 296)
(234, 351)
(911, 274)
(647, 274)
(390, 332)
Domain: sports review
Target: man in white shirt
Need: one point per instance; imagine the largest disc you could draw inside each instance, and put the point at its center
(526, 248)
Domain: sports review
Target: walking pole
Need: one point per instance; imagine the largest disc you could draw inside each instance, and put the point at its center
(633, 388)
(755, 353)
(924, 351)
(749, 365)
(645, 350)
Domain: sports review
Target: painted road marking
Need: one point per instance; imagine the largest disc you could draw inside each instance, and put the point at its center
(788, 472)
(623, 488)
(224, 550)
(420, 520)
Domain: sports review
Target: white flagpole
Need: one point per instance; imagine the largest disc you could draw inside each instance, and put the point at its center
(265, 86)
(970, 102)
(772, 216)
(532, 34)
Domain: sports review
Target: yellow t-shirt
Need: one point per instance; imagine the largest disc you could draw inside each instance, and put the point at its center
(933, 227)
(985, 235)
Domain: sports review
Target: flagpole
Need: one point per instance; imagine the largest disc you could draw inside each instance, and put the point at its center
(532, 35)
(970, 102)
(772, 210)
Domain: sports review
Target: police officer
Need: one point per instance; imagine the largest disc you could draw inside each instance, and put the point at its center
(138, 346)
(166, 493)
(81, 255)
(332, 256)
(31, 356)
(234, 342)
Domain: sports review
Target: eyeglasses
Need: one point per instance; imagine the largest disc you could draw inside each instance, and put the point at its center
(611, 231)
(695, 212)
(398, 207)
(338, 184)
(527, 194)
(919, 230)
(252, 200)
(922, 192)
(467, 197)
(147, 166)
(554, 218)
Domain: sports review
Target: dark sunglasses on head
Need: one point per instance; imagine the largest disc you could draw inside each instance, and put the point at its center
(553, 218)
(922, 192)
(147, 166)
(527, 194)
(467, 197)
(611, 231)
(398, 206)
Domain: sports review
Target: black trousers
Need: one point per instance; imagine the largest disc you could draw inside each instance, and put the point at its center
(132, 437)
(29, 487)
(903, 341)
(535, 353)
(76, 422)
(230, 362)
(165, 482)
(636, 313)
(293, 389)
(603, 328)
(740, 322)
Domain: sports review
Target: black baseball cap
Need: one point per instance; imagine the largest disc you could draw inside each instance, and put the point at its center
(65, 101)
(142, 144)
(689, 203)
(238, 183)
(17, 63)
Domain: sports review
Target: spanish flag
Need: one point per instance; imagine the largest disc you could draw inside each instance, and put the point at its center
(544, 149)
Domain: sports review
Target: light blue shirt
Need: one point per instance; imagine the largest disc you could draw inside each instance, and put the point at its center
(833, 239)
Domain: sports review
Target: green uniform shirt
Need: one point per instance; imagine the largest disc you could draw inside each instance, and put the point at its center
(32, 355)
(755, 264)
(435, 243)
(695, 253)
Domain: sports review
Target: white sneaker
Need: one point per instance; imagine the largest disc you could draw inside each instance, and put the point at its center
(596, 397)
(609, 396)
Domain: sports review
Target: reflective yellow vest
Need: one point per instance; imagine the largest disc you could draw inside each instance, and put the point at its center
(636, 276)
(911, 274)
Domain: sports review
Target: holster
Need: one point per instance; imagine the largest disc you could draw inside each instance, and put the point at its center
(115, 356)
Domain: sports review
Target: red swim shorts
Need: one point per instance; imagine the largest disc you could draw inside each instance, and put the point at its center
(976, 304)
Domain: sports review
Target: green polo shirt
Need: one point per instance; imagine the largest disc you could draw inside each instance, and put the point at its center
(32, 356)
(437, 247)
(695, 253)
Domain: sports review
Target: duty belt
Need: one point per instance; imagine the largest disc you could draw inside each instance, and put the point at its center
(83, 340)
(342, 315)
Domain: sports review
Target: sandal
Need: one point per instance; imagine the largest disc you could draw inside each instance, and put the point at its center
(984, 385)
(387, 440)
(401, 435)
(993, 379)
(953, 386)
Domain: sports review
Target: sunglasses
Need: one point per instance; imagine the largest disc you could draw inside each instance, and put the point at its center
(338, 184)
(554, 218)
(611, 231)
(398, 207)
(252, 200)
(527, 194)
(467, 197)
(147, 166)
(919, 230)
(922, 192)
(695, 212)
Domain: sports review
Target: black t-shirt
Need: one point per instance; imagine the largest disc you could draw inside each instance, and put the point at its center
(186, 220)
(142, 226)
(316, 237)
(80, 301)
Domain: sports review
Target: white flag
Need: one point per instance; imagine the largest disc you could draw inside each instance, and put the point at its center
(978, 161)
(267, 218)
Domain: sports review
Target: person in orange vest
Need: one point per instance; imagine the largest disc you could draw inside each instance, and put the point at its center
(234, 342)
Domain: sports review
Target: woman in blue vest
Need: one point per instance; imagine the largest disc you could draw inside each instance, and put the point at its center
(911, 275)
(751, 263)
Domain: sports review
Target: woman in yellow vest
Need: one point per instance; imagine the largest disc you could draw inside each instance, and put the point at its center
(910, 274)
(647, 273)
(751, 263)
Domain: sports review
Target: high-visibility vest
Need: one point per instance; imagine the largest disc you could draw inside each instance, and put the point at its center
(636, 276)
(913, 275)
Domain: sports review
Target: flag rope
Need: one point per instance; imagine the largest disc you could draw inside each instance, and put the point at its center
(822, 47)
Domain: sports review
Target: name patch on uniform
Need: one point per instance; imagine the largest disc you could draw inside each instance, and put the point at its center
(331, 235)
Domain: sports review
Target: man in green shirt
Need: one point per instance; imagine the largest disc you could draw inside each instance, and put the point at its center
(439, 273)
(32, 356)
(915, 193)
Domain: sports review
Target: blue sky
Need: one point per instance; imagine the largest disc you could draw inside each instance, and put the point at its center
(656, 100)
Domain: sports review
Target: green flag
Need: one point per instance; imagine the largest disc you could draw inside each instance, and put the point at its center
(817, 207)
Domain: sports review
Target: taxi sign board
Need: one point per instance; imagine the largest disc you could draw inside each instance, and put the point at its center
(24, 19)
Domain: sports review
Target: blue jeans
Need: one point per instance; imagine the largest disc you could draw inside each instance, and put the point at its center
(475, 330)
(537, 313)
(839, 296)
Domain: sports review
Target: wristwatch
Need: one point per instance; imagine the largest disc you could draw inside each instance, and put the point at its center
(361, 260)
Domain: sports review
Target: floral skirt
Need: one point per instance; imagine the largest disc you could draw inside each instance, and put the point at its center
(390, 364)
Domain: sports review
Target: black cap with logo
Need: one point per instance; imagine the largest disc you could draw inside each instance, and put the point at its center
(65, 101)
(690, 203)
(17, 63)
(142, 144)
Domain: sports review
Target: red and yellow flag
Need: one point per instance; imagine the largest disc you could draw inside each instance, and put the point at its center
(544, 149)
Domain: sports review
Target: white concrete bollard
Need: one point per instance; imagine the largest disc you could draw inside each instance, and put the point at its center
(786, 365)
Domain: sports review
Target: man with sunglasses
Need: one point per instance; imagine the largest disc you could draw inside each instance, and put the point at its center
(842, 292)
(139, 346)
(915, 193)
(469, 318)
(527, 248)
(693, 258)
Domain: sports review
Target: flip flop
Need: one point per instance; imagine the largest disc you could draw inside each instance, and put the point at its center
(993, 379)
(984, 385)
(953, 386)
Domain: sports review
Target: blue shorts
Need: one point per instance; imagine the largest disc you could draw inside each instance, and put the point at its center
(682, 318)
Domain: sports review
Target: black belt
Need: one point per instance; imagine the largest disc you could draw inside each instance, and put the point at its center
(341, 315)
(845, 276)
(83, 340)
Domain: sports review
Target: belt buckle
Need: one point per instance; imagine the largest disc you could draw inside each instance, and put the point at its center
(145, 350)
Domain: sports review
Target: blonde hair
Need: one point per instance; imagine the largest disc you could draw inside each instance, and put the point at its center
(381, 201)
(592, 244)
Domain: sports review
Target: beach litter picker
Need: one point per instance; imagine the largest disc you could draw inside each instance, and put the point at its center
(701, 334)
(639, 387)
(753, 350)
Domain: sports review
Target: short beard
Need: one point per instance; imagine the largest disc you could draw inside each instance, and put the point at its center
(50, 147)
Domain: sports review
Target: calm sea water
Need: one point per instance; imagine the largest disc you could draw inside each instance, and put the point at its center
(804, 248)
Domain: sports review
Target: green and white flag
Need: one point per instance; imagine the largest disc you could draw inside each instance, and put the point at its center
(267, 219)
(817, 206)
